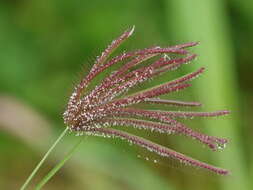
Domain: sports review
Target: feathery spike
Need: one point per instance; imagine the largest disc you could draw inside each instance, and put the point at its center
(171, 102)
(161, 150)
(160, 127)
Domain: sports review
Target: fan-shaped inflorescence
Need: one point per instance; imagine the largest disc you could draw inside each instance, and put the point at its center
(96, 111)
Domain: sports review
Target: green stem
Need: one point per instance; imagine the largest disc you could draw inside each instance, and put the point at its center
(58, 166)
(42, 160)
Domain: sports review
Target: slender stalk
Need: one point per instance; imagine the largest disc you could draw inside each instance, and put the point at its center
(42, 160)
(212, 29)
(58, 166)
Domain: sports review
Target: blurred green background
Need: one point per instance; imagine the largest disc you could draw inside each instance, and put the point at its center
(45, 46)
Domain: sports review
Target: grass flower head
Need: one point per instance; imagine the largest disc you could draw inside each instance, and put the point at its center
(97, 111)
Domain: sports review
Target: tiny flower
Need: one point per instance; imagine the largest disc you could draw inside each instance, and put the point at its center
(96, 111)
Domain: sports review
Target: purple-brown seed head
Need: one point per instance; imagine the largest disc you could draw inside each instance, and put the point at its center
(94, 112)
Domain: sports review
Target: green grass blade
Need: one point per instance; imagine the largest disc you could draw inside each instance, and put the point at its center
(58, 166)
(43, 160)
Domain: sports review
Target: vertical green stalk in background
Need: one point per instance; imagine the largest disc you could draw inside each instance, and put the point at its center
(206, 21)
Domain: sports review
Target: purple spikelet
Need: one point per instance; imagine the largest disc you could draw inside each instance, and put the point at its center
(94, 112)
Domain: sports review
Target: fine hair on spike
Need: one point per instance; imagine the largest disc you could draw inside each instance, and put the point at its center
(95, 111)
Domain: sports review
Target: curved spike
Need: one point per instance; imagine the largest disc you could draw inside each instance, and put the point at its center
(158, 127)
(171, 102)
(153, 147)
(149, 93)
(114, 45)
(194, 114)
(186, 45)
(163, 118)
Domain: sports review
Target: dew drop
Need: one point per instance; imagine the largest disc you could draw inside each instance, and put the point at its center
(221, 146)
